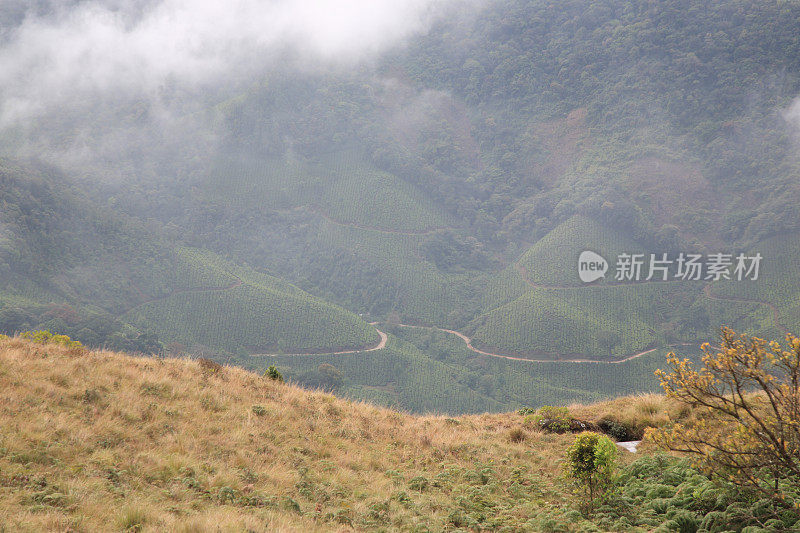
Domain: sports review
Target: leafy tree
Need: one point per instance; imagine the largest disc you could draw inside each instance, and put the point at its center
(274, 374)
(749, 430)
(590, 462)
(45, 337)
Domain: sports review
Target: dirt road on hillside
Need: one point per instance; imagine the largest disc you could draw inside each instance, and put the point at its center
(469, 345)
(381, 345)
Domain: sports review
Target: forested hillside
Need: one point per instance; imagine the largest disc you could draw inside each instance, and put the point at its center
(448, 183)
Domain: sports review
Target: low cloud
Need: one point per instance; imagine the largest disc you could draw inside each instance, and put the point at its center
(70, 52)
(792, 114)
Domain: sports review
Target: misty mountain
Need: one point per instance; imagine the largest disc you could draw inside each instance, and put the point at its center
(271, 176)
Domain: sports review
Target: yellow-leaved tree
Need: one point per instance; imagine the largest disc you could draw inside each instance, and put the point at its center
(745, 426)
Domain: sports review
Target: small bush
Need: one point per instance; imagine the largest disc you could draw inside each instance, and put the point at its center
(590, 462)
(379, 512)
(259, 410)
(457, 518)
(212, 367)
(684, 521)
(290, 504)
(419, 483)
(618, 430)
(91, 396)
(274, 374)
(227, 495)
(552, 419)
(343, 516)
(45, 337)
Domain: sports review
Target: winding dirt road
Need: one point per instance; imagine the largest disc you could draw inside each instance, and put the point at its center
(775, 313)
(383, 338)
(468, 342)
(381, 345)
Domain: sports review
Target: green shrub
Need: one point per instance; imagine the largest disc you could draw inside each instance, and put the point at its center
(419, 483)
(227, 495)
(666, 494)
(274, 374)
(590, 462)
(617, 430)
(457, 518)
(45, 337)
(685, 521)
(344, 516)
(379, 511)
(551, 419)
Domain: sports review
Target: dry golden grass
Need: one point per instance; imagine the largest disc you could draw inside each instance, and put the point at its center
(640, 411)
(101, 441)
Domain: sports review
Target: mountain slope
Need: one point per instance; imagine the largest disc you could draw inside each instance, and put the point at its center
(93, 441)
(103, 278)
(101, 440)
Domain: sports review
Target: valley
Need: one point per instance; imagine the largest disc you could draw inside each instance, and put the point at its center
(448, 185)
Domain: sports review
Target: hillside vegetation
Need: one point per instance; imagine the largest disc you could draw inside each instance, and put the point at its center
(108, 280)
(450, 183)
(102, 441)
(97, 440)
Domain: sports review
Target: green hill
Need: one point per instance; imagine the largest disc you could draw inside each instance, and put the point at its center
(113, 282)
(553, 260)
(450, 182)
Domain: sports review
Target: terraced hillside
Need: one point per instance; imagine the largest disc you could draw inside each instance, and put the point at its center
(425, 370)
(538, 303)
(112, 281)
(255, 313)
(778, 288)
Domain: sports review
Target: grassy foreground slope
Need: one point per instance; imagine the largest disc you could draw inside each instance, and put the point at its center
(101, 441)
